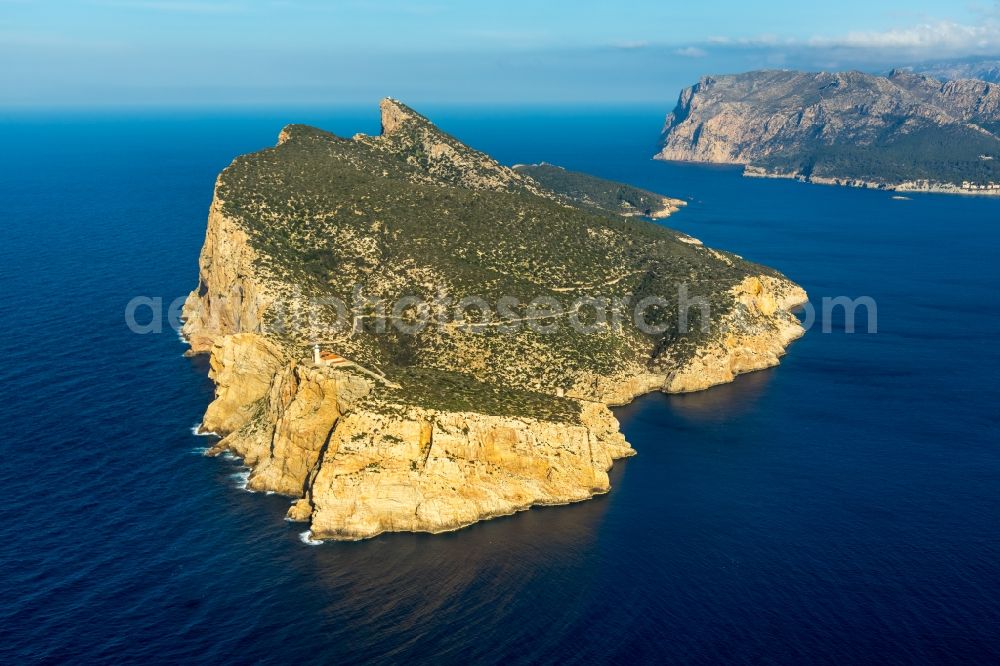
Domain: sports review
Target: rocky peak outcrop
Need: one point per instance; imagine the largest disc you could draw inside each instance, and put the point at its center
(394, 115)
(969, 100)
(441, 158)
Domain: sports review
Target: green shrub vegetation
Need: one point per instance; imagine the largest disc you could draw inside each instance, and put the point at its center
(590, 191)
(393, 217)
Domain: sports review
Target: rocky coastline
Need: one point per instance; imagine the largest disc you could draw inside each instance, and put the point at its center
(920, 186)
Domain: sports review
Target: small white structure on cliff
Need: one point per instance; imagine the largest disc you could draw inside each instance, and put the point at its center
(321, 357)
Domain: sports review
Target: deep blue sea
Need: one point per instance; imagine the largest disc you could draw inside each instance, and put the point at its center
(842, 508)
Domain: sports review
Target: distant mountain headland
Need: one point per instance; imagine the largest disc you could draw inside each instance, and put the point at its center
(903, 131)
(407, 335)
(984, 69)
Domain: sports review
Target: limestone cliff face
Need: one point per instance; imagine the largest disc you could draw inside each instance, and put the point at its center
(243, 367)
(229, 298)
(752, 336)
(513, 421)
(273, 412)
(435, 471)
(362, 467)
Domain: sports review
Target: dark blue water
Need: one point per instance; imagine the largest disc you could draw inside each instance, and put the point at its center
(841, 508)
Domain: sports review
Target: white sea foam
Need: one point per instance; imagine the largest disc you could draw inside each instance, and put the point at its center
(242, 478)
(306, 538)
(200, 450)
(196, 430)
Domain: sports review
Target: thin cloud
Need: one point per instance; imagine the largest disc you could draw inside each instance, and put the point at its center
(943, 34)
(935, 38)
(691, 52)
(631, 46)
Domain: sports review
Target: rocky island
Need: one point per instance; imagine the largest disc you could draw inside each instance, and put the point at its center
(904, 131)
(388, 320)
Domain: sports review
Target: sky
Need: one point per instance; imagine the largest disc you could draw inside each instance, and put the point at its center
(203, 53)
